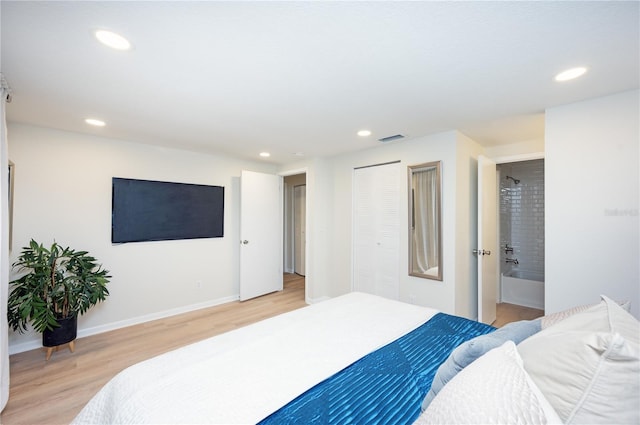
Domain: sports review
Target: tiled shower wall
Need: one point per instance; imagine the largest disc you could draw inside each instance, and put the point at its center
(522, 215)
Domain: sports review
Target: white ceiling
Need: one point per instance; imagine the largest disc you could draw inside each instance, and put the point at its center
(288, 77)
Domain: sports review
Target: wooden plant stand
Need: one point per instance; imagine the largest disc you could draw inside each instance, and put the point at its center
(72, 347)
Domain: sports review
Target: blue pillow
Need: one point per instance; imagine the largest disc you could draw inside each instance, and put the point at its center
(470, 350)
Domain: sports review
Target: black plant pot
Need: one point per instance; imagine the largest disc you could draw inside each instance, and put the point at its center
(63, 334)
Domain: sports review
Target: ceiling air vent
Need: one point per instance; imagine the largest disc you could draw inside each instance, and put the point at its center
(391, 138)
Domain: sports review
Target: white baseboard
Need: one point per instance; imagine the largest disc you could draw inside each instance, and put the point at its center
(37, 343)
(316, 300)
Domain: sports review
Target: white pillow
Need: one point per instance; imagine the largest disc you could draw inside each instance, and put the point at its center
(588, 365)
(553, 318)
(494, 389)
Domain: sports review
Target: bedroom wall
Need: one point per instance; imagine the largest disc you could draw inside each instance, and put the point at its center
(455, 151)
(592, 202)
(320, 184)
(63, 193)
(517, 151)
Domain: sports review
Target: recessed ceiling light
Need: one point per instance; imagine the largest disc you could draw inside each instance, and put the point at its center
(265, 154)
(570, 74)
(113, 40)
(364, 133)
(298, 154)
(95, 122)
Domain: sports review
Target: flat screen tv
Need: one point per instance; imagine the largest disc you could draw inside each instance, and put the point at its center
(147, 210)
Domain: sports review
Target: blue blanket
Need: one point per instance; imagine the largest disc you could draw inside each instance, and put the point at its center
(386, 386)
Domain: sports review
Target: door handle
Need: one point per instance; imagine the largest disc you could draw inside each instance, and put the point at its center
(481, 252)
(244, 242)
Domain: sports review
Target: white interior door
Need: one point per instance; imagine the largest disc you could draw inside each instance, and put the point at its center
(487, 251)
(376, 230)
(299, 225)
(260, 234)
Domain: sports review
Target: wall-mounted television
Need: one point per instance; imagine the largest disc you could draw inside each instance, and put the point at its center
(147, 210)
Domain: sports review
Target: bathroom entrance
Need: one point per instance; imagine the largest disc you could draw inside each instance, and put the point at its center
(521, 233)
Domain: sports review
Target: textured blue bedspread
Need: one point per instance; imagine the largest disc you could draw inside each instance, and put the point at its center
(386, 386)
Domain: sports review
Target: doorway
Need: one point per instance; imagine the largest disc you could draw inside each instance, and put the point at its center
(518, 226)
(521, 233)
(295, 219)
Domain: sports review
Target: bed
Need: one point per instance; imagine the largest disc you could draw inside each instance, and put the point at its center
(360, 358)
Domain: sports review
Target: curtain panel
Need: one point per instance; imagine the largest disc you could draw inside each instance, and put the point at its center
(425, 231)
(4, 248)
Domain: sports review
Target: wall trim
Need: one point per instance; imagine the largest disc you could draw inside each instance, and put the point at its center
(35, 344)
(518, 158)
(316, 300)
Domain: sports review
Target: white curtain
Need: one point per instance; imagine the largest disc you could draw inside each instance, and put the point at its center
(425, 233)
(4, 248)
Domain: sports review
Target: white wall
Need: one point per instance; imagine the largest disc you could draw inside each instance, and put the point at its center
(516, 151)
(592, 190)
(440, 147)
(63, 193)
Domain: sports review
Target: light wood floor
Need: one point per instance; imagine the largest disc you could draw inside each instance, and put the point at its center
(54, 391)
(507, 313)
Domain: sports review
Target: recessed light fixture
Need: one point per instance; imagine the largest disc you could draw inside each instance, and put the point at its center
(298, 154)
(95, 122)
(570, 74)
(265, 154)
(364, 133)
(113, 40)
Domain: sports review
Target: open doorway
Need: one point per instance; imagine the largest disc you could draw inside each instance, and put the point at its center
(521, 239)
(294, 220)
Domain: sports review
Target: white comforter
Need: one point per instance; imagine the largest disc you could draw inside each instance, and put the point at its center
(245, 375)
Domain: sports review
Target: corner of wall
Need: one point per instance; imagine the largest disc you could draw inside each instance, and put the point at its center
(592, 244)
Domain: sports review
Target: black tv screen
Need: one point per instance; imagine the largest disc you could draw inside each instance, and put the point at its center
(146, 210)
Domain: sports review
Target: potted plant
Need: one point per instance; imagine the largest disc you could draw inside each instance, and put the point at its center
(59, 285)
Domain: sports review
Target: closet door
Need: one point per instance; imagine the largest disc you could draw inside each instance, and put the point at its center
(299, 226)
(376, 230)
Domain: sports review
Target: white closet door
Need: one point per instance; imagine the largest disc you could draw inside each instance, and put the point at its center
(299, 219)
(376, 230)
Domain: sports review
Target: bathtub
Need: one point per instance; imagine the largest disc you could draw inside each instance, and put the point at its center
(523, 288)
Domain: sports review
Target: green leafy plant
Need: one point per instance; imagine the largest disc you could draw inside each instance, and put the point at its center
(58, 283)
